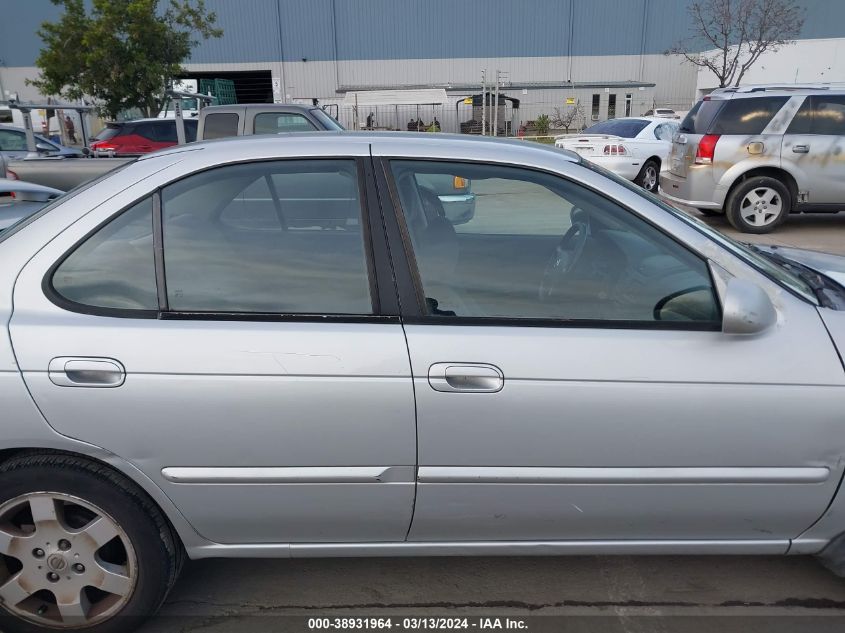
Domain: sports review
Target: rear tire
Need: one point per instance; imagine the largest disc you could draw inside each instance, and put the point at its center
(649, 176)
(91, 550)
(758, 205)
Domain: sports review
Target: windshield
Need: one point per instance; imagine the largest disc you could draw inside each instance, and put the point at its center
(763, 264)
(328, 122)
(626, 128)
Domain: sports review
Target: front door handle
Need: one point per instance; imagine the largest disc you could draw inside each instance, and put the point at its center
(466, 377)
(72, 371)
(801, 149)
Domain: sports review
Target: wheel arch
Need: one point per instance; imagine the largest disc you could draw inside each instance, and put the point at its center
(778, 173)
(182, 530)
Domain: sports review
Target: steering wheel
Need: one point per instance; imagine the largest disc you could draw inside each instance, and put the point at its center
(566, 255)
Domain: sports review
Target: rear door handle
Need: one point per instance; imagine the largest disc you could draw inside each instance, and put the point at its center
(73, 371)
(800, 149)
(466, 377)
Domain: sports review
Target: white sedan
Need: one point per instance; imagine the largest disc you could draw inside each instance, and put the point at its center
(636, 148)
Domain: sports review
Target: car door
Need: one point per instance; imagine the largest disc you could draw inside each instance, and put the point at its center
(572, 382)
(812, 146)
(255, 370)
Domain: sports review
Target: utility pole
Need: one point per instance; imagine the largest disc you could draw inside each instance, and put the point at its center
(483, 103)
(496, 106)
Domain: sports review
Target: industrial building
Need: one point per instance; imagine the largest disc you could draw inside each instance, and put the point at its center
(608, 56)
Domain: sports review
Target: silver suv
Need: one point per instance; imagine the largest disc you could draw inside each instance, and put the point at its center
(759, 153)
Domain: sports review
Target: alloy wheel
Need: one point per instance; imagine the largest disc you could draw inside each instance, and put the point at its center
(65, 562)
(650, 178)
(761, 206)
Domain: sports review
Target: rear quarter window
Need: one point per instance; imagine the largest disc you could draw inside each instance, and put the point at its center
(699, 119)
(220, 125)
(746, 116)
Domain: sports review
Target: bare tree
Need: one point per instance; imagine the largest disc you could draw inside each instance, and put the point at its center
(568, 116)
(735, 33)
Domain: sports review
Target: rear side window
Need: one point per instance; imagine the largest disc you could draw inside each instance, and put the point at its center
(279, 237)
(220, 125)
(746, 116)
(115, 267)
(698, 119)
(273, 122)
(147, 130)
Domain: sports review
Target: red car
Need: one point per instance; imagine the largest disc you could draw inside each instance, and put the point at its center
(142, 136)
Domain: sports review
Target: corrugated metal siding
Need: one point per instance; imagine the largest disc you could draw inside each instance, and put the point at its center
(271, 30)
(250, 32)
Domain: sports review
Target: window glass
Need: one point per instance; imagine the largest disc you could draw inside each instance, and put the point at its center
(11, 140)
(747, 116)
(699, 119)
(595, 106)
(611, 106)
(539, 246)
(270, 237)
(820, 114)
(220, 125)
(115, 267)
(165, 132)
(626, 128)
(328, 121)
(190, 130)
(665, 131)
(273, 122)
(147, 130)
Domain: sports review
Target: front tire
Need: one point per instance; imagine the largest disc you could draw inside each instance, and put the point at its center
(80, 548)
(758, 205)
(649, 176)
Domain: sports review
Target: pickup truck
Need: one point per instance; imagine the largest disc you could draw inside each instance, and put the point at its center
(223, 121)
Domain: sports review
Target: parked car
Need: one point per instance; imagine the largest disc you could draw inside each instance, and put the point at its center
(220, 122)
(13, 145)
(759, 153)
(391, 384)
(663, 113)
(142, 136)
(19, 200)
(635, 148)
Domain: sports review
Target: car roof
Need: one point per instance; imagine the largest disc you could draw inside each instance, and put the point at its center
(768, 90)
(401, 142)
(263, 107)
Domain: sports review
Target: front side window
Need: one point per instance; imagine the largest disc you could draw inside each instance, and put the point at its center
(820, 114)
(273, 122)
(220, 125)
(115, 267)
(542, 247)
(273, 237)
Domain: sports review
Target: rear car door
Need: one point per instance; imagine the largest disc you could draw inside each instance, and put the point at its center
(572, 382)
(254, 368)
(812, 148)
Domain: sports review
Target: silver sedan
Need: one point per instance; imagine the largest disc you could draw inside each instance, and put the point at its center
(283, 346)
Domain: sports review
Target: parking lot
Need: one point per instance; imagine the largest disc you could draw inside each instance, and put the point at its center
(594, 593)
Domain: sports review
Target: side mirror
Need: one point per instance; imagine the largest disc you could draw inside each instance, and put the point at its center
(747, 308)
(43, 148)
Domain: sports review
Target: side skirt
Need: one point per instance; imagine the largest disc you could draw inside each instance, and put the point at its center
(487, 548)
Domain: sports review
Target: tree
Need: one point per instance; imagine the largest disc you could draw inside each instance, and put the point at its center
(736, 33)
(567, 117)
(542, 124)
(124, 54)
